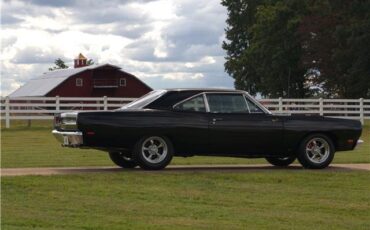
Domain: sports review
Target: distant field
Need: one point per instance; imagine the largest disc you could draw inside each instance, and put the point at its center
(36, 147)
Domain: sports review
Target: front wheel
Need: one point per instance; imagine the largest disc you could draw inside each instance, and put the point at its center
(316, 151)
(280, 161)
(153, 152)
(121, 160)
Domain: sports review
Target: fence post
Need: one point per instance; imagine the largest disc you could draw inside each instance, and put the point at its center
(57, 104)
(30, 108)
(280, 104)
(29, 120)
(362, 110)
(321, 106)
(105, 103)
(7, 115)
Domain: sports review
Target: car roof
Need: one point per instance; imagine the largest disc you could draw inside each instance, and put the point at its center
(173, 96)
(204, 90)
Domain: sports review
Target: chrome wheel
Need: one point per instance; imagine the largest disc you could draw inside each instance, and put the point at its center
(317, 150)
(154, 149)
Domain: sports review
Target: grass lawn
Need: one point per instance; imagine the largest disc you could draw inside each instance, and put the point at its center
(36, 147)
(278, 199)
(282, 199)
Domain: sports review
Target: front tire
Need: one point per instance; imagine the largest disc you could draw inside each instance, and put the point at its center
(281, 161)
(121, 160)
(316, 151)
(153, 152)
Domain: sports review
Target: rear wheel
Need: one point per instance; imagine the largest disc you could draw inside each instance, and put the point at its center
(280, 161)
(316, 152)
(153, 152)
(121, 160)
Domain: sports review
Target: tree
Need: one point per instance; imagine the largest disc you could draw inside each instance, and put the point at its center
(263, 49)
(90, 62)
(241, 18)
(274, 51)
(315, 32)
(299, 48)
(352, 52)
(339, 49)
(59, 64)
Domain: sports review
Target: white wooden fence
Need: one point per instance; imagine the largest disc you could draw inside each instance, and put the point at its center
(40, 108)
(358, 109)
(44, 108)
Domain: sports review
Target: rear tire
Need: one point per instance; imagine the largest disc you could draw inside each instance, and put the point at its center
(121, 160)
(153, 152)
(280, 161)
(316, 151)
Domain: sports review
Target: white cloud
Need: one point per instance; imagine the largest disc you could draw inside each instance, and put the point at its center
(197, 76)
(181, 76)
(166, 43)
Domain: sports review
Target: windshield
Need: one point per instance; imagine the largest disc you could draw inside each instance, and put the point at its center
(144, 100)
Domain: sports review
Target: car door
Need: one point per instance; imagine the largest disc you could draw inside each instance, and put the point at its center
(238, 126)
(190, 135)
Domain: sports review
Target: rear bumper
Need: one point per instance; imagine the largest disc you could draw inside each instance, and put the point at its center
(69, 138)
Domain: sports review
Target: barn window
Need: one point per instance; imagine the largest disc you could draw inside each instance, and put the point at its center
(122, 82)
(79, 82)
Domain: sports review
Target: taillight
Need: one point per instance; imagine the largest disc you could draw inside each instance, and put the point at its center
(65, 121)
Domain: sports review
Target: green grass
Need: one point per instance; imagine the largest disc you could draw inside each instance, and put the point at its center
(132, 199)
(284, 199)
(36, 147)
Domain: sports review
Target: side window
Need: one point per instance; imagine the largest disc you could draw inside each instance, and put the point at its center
(227, 103)
(195, 104)
(79, 82)
(253, 108)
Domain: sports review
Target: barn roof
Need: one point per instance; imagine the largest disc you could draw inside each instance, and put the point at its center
(48, 81)
(80, 56)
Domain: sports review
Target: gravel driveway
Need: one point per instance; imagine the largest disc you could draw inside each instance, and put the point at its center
(173, 168)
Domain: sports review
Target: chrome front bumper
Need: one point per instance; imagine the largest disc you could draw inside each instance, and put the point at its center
(68, 138)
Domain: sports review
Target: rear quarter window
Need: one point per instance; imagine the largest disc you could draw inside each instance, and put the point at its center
(195, 104)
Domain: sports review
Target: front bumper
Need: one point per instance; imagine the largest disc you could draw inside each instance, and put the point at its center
(69, 138)
(359, 142)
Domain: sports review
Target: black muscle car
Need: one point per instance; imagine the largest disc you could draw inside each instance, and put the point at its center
(186, 122)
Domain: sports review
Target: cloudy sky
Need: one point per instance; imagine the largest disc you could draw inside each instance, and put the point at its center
(166, 43)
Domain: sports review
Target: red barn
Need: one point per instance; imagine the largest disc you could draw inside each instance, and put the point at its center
(84, 81)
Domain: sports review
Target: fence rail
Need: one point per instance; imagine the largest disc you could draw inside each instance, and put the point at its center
(343, 108)
(41, 108)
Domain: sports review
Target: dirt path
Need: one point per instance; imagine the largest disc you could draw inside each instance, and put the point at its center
(172, 168)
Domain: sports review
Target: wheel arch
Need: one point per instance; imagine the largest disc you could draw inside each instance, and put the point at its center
(330, 135)
(161, 160)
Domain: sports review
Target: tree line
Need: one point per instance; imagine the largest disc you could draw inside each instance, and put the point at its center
(299, 48)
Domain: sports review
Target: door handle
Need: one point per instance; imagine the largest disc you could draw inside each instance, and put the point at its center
(275, 119)
(214, 120)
